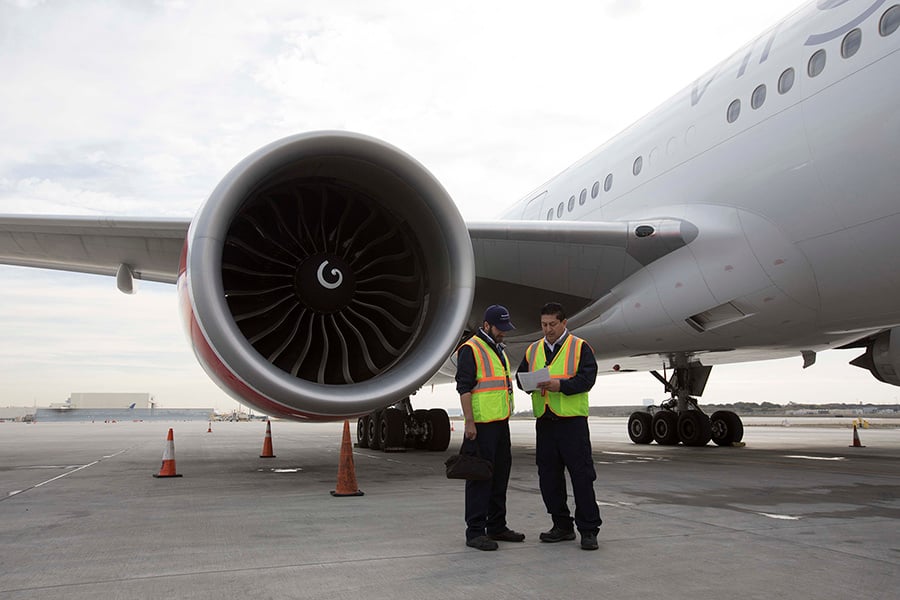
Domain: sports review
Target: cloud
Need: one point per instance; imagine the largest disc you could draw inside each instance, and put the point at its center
(622, 8)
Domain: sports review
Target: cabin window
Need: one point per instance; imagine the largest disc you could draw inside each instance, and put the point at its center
(758, 97)
(638, 165)
(734, 111)
(851, 43)
(607, 183)
(671, 146)
(571, 203)
(582, 197)
(550, 215)
(816, 63)
(595, 189)
(559, 210)
(890, 20)
(786, 81)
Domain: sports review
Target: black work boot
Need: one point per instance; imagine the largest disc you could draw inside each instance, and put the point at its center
(557, 534)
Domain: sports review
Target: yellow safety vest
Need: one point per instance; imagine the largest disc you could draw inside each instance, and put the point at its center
(491, 397)
(564, 366)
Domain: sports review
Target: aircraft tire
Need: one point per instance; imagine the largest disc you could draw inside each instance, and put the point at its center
(694, 428)
(392, 434)
(374, 430)
(423, 421)
(727, 428)
(440, 429)
(640, 427)
(665, 428)
(362, 431)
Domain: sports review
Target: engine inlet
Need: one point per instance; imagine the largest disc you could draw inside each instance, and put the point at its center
(323, 281)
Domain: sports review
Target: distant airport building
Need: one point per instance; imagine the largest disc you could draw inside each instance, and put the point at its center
(106, 400)
(16, 413)
(117, 406)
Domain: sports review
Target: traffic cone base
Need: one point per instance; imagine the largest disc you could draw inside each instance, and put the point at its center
(267, 443)
(856, 443)
(346, 479)
(167, 469)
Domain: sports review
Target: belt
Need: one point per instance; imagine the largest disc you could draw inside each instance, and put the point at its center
(549, 416)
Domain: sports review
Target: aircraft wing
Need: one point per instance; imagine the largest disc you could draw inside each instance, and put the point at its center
(149, 248)
(524, 264)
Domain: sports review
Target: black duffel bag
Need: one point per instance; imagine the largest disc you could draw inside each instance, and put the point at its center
(469, 466)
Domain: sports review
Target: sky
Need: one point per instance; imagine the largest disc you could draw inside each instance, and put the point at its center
(139, 108)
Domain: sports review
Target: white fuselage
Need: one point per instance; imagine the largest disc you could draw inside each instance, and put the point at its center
(797, 200)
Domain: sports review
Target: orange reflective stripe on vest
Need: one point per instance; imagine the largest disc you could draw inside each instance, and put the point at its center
(491, 397)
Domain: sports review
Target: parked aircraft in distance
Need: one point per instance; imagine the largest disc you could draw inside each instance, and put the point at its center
(751, 216)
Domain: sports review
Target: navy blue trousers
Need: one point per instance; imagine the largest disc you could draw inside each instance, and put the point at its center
(486, 500)
(565, 444)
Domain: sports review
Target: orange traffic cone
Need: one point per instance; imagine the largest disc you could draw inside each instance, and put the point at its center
(856, 443)
(168, 461)
(209, 429)
(267, 443)
(346, 479)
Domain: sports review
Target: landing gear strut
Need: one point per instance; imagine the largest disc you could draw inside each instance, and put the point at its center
(679, 419)
(399, 427)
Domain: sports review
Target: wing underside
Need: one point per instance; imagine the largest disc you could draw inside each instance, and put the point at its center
(524, 264)
(149, 248)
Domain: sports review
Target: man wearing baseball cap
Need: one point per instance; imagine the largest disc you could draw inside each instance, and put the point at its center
(486, 396)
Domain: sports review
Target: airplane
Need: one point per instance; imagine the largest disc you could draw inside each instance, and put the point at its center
(752, 216)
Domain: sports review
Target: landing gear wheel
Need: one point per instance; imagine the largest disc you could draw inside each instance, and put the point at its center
(727, 428)
(362, 431)
(422, 423)
(392, 434)
(640, 428)
(373, 430)
(694, 428)
(665, 428)
(440, 429)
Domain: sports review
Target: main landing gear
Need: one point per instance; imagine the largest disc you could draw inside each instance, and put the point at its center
(679, 419)
(399, 427)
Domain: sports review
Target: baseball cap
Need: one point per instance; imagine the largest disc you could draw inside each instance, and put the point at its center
(498, 316)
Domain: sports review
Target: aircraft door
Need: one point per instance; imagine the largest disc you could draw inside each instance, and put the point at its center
(532, 210)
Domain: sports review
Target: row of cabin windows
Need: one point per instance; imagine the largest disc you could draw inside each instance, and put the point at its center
(889, 23)
(850, 45)
(582, 197)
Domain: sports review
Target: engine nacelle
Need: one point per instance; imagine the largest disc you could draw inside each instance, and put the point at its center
(329, 274)
(882, 357)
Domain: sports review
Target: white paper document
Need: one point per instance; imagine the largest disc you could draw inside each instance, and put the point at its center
(531, 379)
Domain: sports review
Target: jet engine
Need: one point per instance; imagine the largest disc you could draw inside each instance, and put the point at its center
(328, 275)
(882, 357)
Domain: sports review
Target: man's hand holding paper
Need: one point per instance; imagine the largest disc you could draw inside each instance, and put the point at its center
(531, 380)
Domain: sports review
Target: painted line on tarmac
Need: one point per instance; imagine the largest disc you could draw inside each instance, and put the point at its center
(779, 517)
(814, 457)
(66, 474)
(376, 457)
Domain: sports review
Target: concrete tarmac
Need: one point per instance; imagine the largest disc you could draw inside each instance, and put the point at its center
(796, 514)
